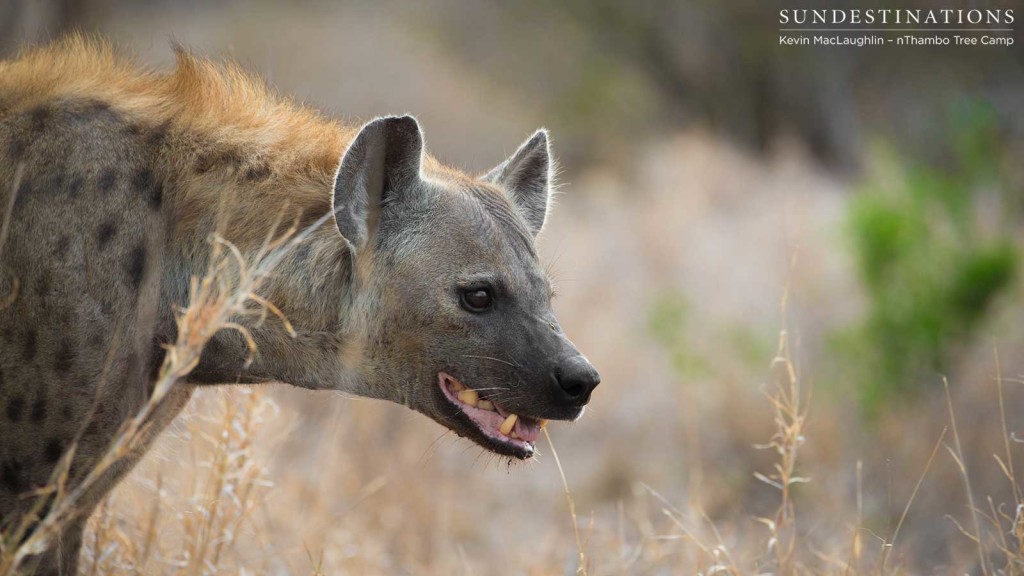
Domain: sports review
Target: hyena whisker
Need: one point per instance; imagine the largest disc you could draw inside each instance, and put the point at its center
(554, 273)
(488, 458)
(432, 447)
(501, 395)
(512, 364)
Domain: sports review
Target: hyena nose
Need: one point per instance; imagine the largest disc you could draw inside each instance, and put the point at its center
(577, 379)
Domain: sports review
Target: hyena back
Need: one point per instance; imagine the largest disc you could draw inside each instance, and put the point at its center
(420, 286)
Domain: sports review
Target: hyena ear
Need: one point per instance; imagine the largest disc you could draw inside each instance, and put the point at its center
(527, 177)
(382, 161)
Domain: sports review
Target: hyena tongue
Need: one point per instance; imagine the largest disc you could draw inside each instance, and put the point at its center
(527, 429)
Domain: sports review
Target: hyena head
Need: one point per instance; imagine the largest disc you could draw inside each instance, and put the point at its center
(453, 306)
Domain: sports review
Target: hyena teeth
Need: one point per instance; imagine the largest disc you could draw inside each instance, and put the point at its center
(485, 405)
(508, 424)
(543, 424)
(471, 397)
(513, 435)
(457, 386)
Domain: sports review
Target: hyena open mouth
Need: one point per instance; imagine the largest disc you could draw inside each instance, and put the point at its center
(499, 430)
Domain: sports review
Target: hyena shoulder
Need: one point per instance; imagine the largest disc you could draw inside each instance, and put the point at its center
(84, 204)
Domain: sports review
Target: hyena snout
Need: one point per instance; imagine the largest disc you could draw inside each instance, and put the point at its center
(575, 379)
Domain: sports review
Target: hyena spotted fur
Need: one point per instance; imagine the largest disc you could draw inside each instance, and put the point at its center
(421, 285)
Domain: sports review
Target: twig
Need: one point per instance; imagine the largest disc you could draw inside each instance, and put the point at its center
(572, 507)
(959, 457)
(906, 509)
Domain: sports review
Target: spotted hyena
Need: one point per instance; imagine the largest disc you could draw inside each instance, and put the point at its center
(421, 285)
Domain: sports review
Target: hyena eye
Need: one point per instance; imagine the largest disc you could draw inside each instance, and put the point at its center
(477, 299)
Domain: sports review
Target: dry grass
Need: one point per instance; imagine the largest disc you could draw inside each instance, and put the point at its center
(227, 486)
(728, 471)
(5, 224)
(207, 510)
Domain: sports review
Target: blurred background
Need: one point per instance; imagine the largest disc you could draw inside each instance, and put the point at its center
(720, 194)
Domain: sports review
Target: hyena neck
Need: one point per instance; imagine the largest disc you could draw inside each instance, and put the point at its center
(312, 284)
(312, 288)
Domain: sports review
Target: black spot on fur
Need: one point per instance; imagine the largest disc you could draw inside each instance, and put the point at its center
(66, 412)
(15, 409)
(29, 346)
(205, 163)
(44, 283)
(136, 266)
(16, 147)
(64, 357)
(158, 136)
(63, 243)
(303, 253)
(74, 188)
(53, 450)
(66, 318)
(25, 187)
(257, 173)
(38, 411)
(143, 179)
(38, 117)
(1, 380)
(107, 181)
(97, 106)
(92, 112)
(148, 187)
(210, 160)
(156, 196)
(12, 476)
(105, 233)
(156, 361)
(25, 190)
(53, 183)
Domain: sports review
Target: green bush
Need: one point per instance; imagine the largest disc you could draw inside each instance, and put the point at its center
(930, 269)
(667, 321)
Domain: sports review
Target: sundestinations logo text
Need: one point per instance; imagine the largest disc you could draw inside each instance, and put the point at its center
(896, 26)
